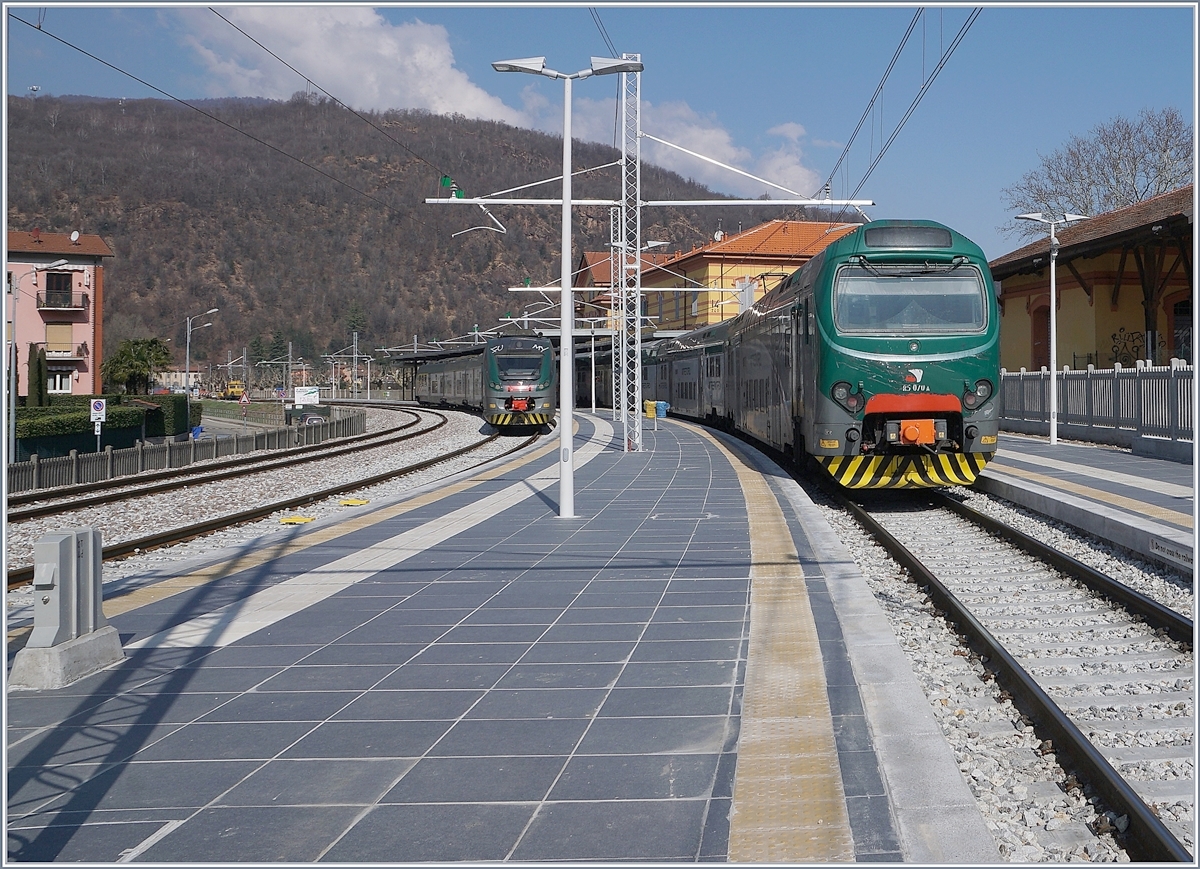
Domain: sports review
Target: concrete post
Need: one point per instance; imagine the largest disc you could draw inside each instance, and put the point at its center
(71, 638)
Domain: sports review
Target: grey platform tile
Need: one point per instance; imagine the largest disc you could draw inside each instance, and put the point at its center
(703, 598)
(578, 653)
(530, 594)
(477, 780)
(622, 574)
(736, 585)
(436, 600)
(78, 842)
(539, 703)
(714, 845)
(626, 586)
(404, 615)
(318, 782)
(701, 613)
(683, 701)
(346, 654)
(851, 733)
(622, 830)
(871, 826)
(501, 633)
(698, 735)
(695, 631)
(636, 777)
(594, 632)
(860, 773)
(511, 737)
(86, 744)
(206, 679)
(419, 675)
(687, 650)
(326, 678)
(247, 654)
(502, 615)
(308, 630)
(607, 615)
(226, 741)
(551, 675)
(425, 833)
(603, 597)
(38, 709)
(84, 789)
(281, 706)
(844, 699)
(367, 739)
(258, 834)
(472, 653)
(671, 673)
(409, 705)
(380, 631)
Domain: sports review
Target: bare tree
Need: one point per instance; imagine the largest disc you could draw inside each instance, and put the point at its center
(1118, 164)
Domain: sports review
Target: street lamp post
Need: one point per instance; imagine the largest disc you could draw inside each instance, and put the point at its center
(566, 374)
(14, 290)
(187, 363)
(1041, 218)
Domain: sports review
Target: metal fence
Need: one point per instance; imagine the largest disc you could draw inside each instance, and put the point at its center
(1110, 405)
(79, 467)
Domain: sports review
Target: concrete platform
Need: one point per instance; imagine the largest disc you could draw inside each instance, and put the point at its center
(1143, 504)
(693, 669)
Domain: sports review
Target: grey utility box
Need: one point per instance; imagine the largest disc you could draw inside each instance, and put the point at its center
(71, 638)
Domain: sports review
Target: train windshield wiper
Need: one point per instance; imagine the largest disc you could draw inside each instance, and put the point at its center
(927, 268)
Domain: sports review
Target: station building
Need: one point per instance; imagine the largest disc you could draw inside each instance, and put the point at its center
(712, 282)
(1123, 282)
(55, 299)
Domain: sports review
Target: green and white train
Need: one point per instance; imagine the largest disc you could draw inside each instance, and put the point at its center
(879, 359)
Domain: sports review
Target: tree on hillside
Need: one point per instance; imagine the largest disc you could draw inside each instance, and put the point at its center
(1117, 164)
(134, 363)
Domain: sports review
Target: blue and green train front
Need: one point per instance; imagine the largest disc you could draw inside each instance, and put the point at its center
(906, 355)
(520, 381)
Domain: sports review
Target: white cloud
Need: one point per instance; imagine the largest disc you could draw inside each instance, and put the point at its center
(789, 130)
(679, 124)
(350, 51)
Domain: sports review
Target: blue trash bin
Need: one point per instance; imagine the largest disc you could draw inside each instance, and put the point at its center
(660, 409)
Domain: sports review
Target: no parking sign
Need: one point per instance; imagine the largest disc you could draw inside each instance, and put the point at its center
(99, 410)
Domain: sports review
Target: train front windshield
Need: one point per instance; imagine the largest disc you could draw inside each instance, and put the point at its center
(902, 300)
(519, 367)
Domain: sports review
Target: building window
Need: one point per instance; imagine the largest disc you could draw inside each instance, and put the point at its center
(58, 339)
(59, 382)
(58, 289)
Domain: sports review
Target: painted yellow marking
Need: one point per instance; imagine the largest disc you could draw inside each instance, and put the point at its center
(788, 801)
(297, 520)
(353, 502)
(1139, 507)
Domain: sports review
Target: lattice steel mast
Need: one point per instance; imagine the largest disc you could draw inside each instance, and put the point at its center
(627, 257)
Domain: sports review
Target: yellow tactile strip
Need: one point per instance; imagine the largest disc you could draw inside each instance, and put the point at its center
(124, 602)
(1132, 505)
(788, 801)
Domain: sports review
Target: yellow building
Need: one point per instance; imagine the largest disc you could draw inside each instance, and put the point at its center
(688, 289)
(1121, 278)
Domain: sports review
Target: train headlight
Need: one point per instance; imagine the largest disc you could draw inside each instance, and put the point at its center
(851, 401)
(974, 398)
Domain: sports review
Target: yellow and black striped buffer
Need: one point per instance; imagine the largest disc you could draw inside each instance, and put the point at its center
(519, 418)
(905, 472)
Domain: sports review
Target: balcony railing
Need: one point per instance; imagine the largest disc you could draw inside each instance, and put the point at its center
(66, 351)
(59, 301)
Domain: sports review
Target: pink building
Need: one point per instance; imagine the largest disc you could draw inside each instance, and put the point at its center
(56, 299)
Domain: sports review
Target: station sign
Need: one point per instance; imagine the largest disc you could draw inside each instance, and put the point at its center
(308, 395)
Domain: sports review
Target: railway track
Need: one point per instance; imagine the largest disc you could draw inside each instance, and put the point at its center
(48, 502)
(23, 575)
(1104, 673)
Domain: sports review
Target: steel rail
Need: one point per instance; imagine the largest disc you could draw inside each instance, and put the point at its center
(1179, 627)
(225, 471)
(1146, 837)
(23, 575)
(280, 457)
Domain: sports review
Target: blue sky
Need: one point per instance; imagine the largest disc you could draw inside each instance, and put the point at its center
(775, 90)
